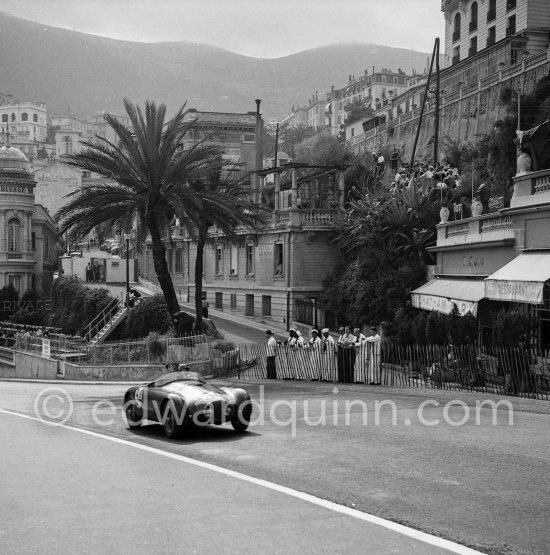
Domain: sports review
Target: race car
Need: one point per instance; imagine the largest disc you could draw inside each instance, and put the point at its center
(182, 400)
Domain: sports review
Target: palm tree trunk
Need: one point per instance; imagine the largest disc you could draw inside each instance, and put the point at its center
(198, 278)
(161, 266)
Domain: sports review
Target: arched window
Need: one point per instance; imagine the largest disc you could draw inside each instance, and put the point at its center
(24, 116)
(4, 117)
(14, 235)
(12, 116)
(456, 29)
(34, 117)
(67, 145)
(473, 17)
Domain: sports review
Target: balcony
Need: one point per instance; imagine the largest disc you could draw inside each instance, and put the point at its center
(472, 50)
(480, 229)
(510, 30)
(310, 218)
(531, 188)
(455, 60)
(491, 15)
(456, 35)
(490, 41)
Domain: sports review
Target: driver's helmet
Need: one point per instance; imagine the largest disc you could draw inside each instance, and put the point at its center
(183, 368)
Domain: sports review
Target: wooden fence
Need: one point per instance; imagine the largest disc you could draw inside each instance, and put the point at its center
(505, 371)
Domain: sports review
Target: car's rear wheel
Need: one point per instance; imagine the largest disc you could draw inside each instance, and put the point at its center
(241, 420)
(134, 414)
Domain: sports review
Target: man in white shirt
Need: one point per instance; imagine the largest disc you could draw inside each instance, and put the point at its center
(328, 352)
(374, 341)
(271, 353)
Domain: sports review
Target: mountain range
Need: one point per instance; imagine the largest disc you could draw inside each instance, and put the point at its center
(83, 74)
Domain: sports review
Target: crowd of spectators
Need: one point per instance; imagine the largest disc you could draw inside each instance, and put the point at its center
(350, 357)
(441, 182)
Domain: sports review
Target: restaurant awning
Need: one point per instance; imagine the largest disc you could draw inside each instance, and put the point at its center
(441, 295)
(521, 280)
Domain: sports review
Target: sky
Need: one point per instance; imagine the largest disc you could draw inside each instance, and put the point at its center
(256, 28)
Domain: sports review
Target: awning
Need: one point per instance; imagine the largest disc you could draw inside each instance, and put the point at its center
(441, 295)
(521, 280)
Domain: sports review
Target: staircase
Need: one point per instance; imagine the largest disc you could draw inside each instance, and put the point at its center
(107, 320)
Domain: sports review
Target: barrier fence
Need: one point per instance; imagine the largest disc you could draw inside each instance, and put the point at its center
(507, 371)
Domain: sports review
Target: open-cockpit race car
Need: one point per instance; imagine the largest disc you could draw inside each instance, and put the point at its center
(183, 399)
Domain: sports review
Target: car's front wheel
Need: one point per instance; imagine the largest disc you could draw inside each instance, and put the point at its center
(134, 414)
(173, 423)
(241, 420)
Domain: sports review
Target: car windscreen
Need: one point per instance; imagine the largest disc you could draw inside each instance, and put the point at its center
(192, 377)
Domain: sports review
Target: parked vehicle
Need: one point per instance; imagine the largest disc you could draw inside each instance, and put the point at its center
(182, 400)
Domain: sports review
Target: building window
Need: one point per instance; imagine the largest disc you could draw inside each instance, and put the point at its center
(67, 145)
(33, 241)
(16, 282)
(278, 259)
(492, 10)
(473, 46)
(234, 260)
(24, 116)
(218, 260)
(266, 305)
(179, 261)
(456, 55)
(456, 28)
(4, 117)
(249, 260)
(12, 116)
(491, 36)
(14, 235)
(353, 132)
(218, 302)
(510, 5)
(511, 29)
(35, 118)
(249, 305)
(233, 300)
(473, 17)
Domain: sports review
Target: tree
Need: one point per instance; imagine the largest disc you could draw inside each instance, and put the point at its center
(293, 136)
(149, 177)
(356, 110)
(223, 205)
(323, 149)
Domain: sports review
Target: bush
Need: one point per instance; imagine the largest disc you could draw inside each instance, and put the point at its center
(512, 328)
(31, 317)
(149, 315)
(75, 305)
(9, 294)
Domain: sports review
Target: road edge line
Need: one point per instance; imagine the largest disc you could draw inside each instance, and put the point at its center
(424, 537)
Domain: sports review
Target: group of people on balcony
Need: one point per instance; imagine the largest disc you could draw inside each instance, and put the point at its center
(441, 182)
(351, 358)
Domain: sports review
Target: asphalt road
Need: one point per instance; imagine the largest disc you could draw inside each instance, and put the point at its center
(483, 484)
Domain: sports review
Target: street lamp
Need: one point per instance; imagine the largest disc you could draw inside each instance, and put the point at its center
(314, 303)
(127, 238)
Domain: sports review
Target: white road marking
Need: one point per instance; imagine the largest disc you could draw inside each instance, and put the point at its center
(366, 517)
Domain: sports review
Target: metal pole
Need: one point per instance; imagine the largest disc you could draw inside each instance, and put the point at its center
(127, 271)
(518, 91)
(436, 115)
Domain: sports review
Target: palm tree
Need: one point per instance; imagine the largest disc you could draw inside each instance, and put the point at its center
(226, 209)
(149, 182)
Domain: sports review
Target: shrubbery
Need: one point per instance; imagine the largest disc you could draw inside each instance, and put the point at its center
(149, 315)
(74, 305)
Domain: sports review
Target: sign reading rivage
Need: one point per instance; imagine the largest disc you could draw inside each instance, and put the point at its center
(22, 189)
(26, 305)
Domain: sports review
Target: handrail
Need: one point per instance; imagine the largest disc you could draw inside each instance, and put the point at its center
(104, 317)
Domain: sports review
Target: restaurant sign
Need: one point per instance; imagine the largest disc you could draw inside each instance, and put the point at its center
(443, 304)
(515, 291)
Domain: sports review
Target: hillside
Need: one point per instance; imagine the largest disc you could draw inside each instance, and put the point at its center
(90, 74)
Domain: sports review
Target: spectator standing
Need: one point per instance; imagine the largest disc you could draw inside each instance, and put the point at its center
(271, 353)
(314, 345)
(347, 344)
(360, 355)
(205, 306)
(374, 342)
(327, 356)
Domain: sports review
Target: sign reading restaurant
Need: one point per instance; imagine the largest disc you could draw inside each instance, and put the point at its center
(515, 291)
(21, 189)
